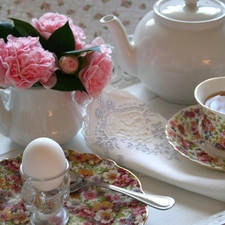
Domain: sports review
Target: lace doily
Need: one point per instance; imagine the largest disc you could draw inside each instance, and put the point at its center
(118, 120)
(120, 127)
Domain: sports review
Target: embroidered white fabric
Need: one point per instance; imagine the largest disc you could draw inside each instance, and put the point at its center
(116, 116)
(119, 126)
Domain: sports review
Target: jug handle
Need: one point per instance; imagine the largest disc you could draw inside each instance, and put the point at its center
(5, 115)
(5, 94)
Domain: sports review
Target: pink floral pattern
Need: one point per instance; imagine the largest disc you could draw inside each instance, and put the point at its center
(85, 14)
(94, 206)
(212, 126)
(183, 134)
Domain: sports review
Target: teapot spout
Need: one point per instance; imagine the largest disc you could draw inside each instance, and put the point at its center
(5, 115)
(124, 50)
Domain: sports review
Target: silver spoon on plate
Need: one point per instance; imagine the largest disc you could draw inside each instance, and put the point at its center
(155, 201)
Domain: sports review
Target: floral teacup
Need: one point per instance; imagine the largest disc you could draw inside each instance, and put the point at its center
(212, 122)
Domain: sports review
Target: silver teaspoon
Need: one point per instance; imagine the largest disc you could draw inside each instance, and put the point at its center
(155, 201)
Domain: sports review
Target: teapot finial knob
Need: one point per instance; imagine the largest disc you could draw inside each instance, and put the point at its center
(191, 4)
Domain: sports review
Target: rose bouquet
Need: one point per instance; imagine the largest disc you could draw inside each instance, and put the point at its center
(51, 52)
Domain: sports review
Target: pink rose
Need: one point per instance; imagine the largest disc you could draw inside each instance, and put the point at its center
(98, 41)
(50, 22)
(51, 81)
(3, 68)
(97, 74)
(26, 63)
(68, 64)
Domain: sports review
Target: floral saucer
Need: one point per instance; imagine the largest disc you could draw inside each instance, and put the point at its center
(182, 133)
(92, 206)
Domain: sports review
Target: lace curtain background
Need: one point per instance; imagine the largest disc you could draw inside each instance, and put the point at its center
(85, 13)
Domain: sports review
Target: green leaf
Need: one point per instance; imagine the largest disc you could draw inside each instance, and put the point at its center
(79, 52)
(61, 40)
(82, 62)
(7, 28)
(25, 29)
(68, 82)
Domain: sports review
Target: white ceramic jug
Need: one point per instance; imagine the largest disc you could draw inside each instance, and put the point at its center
(38, 112)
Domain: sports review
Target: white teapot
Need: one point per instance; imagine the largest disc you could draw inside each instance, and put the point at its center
(174, 47)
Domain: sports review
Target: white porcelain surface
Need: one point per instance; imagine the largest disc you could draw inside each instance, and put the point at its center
(172, 61)
(208, 88)
(37, 112)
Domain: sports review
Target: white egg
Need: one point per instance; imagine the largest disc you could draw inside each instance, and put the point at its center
(43, 158)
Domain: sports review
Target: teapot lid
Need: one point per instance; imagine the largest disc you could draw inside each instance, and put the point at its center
(190, 10)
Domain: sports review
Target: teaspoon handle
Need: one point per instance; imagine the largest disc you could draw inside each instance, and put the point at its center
(156, 201)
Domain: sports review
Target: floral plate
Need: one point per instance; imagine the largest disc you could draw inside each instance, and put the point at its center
(92, 206)
(182, 133)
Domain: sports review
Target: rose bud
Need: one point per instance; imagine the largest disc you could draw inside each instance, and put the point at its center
(68, 64)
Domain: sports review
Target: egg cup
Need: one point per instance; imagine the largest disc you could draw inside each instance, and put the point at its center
(44, 198)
